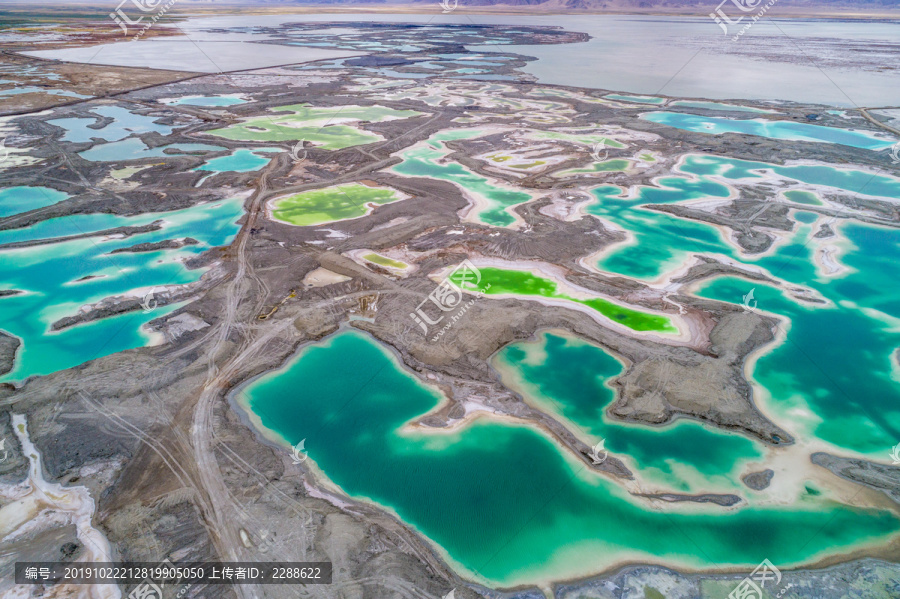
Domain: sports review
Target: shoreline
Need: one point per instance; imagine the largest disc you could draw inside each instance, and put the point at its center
(200, 10)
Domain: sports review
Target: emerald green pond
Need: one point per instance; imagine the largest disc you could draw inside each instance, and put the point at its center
(520, 282)
(341, 202)
(504, 502)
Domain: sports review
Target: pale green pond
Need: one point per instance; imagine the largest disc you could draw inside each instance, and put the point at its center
(385, 261)
(321, 126)
(320, 206)
(607, 166)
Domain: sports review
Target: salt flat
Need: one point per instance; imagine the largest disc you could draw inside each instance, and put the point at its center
(185, 54)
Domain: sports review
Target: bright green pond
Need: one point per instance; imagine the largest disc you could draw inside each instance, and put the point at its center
(501, 499)
(520, 282)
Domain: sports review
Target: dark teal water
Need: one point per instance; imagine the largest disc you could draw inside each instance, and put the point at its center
(568, 378)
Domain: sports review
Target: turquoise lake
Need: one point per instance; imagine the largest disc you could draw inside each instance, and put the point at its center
(425, 161)
(15, 200)
(811, 370)
(502, 500)
(50, 275)
(239, 161)
(772, 129)
(124, 124)
(568, 378)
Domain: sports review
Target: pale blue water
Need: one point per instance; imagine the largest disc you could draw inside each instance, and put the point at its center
(29, 89)
(638, 99)
(240, 161)
(209, 101)
(787, 130)
(134, 149)
(717, 106)
(14, 200)
(126, 123)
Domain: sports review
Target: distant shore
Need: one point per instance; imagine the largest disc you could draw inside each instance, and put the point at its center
(30, 10)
